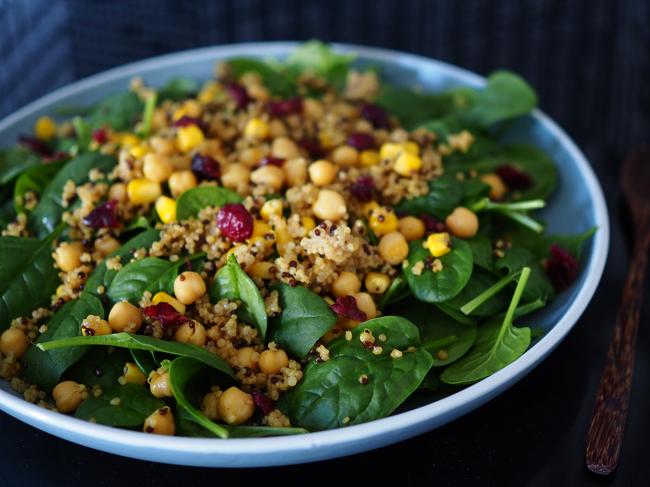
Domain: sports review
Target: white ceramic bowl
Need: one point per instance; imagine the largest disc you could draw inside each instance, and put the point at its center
(577, 205)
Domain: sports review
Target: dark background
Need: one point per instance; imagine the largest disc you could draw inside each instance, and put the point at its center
(589, 61)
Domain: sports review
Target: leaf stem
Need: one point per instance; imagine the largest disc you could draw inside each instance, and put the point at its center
(519, 290)
(528, 308)
(524, 220)
(471, 305)
(440, 343)
(147, 116)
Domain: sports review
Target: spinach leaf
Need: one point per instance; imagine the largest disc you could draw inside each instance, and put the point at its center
(177, 89)
(46, 368)
(145, 360)
(14, 161)
(192, 201)
(539, 285)
(317, 57)
(141, 342)
(124, 406)
(35, 179)
(231, 282)
(278, 82)
(541, 244)
(437, 287)
(397, 291)
(477, 284)
(455, 314)
(482, 252)
(27, 275)
(120, 111)
(7, 211)
(47, 213)
(305, 317)
(445, 194)
(84, 133)
(413, 108)
(100, 366)
(332, 393)
(149, 274)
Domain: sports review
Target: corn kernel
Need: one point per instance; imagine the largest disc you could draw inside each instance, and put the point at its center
(163, 297)
(390, 150)
(411, 148)
(44, 128)
(308, 223)
(407, 163)
(60, 291)
(282, 237)
(138, 151)
(382, 221)
(438, 244)
(189, 137)
(256, 129)
(261, 270)
(369, 158)
(367, 208)
(190, 108)
(271, 207)
(133, 375)
(142, 191)
(208, 92)
(261, 228)
(128, 140)
(166, 209)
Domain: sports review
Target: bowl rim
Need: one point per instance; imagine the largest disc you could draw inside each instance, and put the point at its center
(385, 430)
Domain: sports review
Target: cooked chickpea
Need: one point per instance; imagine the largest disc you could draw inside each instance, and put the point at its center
(277, 128)
(248, 357)
(131, 374)
(124, 317)
(14, 341)
(346, 283)
(329, 205)
(68, 395)
(498, 189)
(188, 287)
(236, 177)
(157, 167)
(284, 148)
(462, 222)
(191, 332)
(269, 175)
(272, 361)
(345, 155)
(106, 245)
(160, 422)
(366, 304)
(68, 255)
(162, 146)
(210, 405)
(322, 172)
(313, 109)
(159, 383)
(411, 227)
(236, 406)
(181, 181)
(376, 282)
(295, 171)
(117, 192)
(251, 156)
(393, 248)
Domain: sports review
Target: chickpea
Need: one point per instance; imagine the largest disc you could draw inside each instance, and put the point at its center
(313, 109)
(329, 205)
(14, 341)
(159, 119)
(498, 189)
(251, 156)
(346, 283)
(164, 147)
(106, 245)
(157, 167)
(295, 171)
(68, 395)
(68, 255)
(269, 175)
(117, 192)
(124, 317)
(160, 422)
(210, 405)
(272, 361)
(277, 129)
(411, 227)
(189, 286)
(236, 406)
(248, 357)
(191, 332)
(345, 155)
(366, 304)
(462, 222)
(181, 181)
(236, 177)
(284, 148)
(376, 282)
(322, 172)
(131, 374)
(393, 248)
(159, 383)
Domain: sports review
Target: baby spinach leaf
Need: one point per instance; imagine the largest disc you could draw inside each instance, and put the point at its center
(437, 287)
(331, 393)
(35, 179)
(177, 89)
(14, 161)
(445, 194)
(149, 274)
(541, 244)
(539, 285)
(120, 111)
(84, 133)
(100, 366)
(278, 82)
(482, 252)
(413, 108)
(397, 291)
(477, 284)
(124, 406)
(145, 360)
(455, 314)
(317, 57)
(231, 282)
(305, 317)
(192, 201)
(46, 368)
(7, 211)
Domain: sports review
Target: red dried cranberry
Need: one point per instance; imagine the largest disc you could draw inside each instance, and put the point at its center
(239, 94)
(35, 145)
(432, 224)
(361, 141)
(514, 177)
(561, 267)
(265, 404)
(283, 108)
(166, 314)
(235, 222)
(100, 136)
(312, 147)
(363, 188)
(376, 115)
(205, 167)
(56, 157)
(273, 161)
(186, 121)
(346, 306)
(103, 216)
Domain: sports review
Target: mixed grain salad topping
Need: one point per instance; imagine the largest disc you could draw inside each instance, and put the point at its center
(292, 246)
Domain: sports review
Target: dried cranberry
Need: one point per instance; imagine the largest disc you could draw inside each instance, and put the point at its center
(239, 94)
(265, 404)
(35, 145)
(514, 177)
(312, 147)
(100, 136)
(205, 167)
(363, 188)
(346, 306)
(103, 216)
(283, 108)
(361, 141)
(432, 224)
(376, 115)
(561, 267)
(235, 222)
(166, 314)
(56, 157)
(273, 161)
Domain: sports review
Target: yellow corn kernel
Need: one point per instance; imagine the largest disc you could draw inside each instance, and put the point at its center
(271, 207)
(411, 148)
(438, 244)
(44, 128)
(163, 297)
(142, 191)
(261, 270)
(390, 150)
(60, 291)
(407, 163)
(308, 223)
(132, 375)
(128, 140)
(261, 228)
(189, 137)
(367, 208)
(256, 129)
(190, 108)
(138, 151)
(282, 236)
(369, 157)
(208, 92)
(166, 209)
(382, 221)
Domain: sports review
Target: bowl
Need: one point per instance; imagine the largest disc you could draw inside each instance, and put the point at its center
(577, 205)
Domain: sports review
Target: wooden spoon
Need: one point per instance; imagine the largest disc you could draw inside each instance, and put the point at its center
(608, 421)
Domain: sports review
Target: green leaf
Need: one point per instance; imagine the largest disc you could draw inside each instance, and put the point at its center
(397, 290)
(14, 161)
(84, 133)
(482, 252)
(315, 56)
(277, 81)
(231, 282)
(445, 194)
(35, 179)
(539, 285)
(305, 317)
(177, 89)
(413, 108)
(480, 282)
(100, 366)
(149, 274)
(120, 111)
(132, 404)
(192, 201)
(147, 115)
(438, 287)
(331, 393)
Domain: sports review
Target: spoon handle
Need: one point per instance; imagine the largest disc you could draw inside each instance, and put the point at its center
(610, 411)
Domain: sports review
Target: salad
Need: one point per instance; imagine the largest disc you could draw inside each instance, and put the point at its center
(291, 246)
